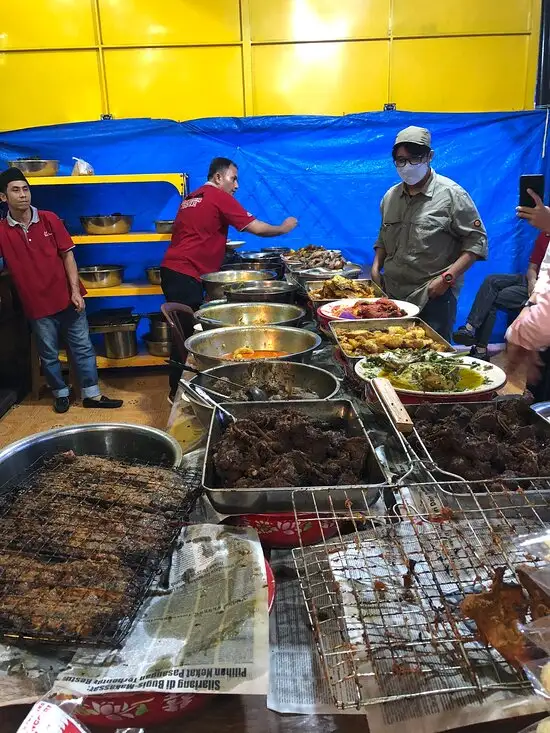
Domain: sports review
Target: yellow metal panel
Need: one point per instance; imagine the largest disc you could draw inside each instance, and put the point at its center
(320, 78)
(145, 22)
(448, 17)
(475, 74)
(318, 20)
(46, 24)
(59, 86)
(177, 83)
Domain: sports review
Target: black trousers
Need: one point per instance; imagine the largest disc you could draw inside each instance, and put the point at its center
(497, 292)
(440, 314)
(178, 288)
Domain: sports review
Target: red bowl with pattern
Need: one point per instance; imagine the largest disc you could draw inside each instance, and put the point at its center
(142, 709)
(281, 530)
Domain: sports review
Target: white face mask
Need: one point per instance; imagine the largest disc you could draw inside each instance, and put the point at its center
(412, 174)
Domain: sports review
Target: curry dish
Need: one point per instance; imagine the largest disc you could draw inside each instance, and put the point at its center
(341, 287)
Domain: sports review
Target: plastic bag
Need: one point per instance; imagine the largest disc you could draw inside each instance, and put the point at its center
(542, 726)
(183, 424)
(54, 716)
(81, 168)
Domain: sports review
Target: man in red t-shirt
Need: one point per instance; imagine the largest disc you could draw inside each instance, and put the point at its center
(37, 249)
(499, 292)
(199, 237)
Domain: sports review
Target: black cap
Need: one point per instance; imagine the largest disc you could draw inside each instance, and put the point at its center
(10, 175)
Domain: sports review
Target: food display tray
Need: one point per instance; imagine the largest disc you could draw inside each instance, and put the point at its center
(339, 328)
(305, 499)
(461, 494)
(310, 285)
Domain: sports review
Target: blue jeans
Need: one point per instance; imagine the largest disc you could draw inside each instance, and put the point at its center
(73, 327)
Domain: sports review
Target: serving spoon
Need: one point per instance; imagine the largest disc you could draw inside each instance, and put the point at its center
(255, 393)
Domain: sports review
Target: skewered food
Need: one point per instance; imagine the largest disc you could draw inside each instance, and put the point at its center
(340, 287)
(79, 540)
(362, 342)
(423, 371)
(288, 449)
(503, 439)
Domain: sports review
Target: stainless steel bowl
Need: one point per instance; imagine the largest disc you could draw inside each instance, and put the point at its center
(210, 347)
(234, 245)
(153, 275)
(216, 282)
(115, 440)
(101, 276)
(270, 291)
(111, 224)
(276, 250)
(164, 226)
(158, 348)
(322, 383)
(35, 168)
(275, 268)
(160, 328)
(260, 257)
(250, 314)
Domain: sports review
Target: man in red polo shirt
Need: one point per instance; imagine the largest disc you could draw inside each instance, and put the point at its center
(37, 249)
(199, 236)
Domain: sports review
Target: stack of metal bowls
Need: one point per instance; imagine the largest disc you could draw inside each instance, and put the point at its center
(250, 314)
(159, 338)
(261, 261)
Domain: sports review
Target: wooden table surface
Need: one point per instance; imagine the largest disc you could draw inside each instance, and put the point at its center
(232, 714)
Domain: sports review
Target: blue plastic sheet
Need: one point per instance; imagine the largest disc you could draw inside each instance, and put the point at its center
(329, 172)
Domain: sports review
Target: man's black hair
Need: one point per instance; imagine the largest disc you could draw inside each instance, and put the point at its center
(219, 165)
(413, 149)
(10, 175)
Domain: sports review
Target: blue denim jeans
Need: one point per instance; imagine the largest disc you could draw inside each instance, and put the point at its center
(73, 328)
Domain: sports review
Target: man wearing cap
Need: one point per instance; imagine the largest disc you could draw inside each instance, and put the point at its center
(431, 233)
(37, 250)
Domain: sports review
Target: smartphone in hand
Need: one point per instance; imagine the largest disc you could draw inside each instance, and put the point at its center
(536, 183)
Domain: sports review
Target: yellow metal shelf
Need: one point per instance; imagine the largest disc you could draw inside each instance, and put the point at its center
(124, 290)
(131, 238)
(140, 360)
(175, 179)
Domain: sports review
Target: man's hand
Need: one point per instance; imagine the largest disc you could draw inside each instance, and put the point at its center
(530, 285)
(539, 216)
(289, 224)
(375, 276)
(78, 301)
(437, 287)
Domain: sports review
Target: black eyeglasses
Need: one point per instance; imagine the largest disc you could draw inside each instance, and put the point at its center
(413, 160)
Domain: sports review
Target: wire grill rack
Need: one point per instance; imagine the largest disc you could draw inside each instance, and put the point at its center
(384, 595)
(81, 541)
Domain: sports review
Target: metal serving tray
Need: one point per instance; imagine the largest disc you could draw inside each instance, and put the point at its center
(533, 492)
(381, 324)
(283, 499)
(316, 284)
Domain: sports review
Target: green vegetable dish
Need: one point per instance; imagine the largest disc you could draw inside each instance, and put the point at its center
(424, 371)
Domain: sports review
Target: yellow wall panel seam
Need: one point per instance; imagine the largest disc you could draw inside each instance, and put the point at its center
(532, 55)
(246, 57)
(104, 87)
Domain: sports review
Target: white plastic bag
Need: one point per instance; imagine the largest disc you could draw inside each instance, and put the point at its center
(82, 168)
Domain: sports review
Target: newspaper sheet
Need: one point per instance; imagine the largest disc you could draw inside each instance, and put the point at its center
(208, 632)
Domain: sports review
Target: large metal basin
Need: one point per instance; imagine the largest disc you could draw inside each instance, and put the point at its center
(269, 291)
(324, 384)
(250, 314)
(210, 347)
(115, 440)
(216, 282)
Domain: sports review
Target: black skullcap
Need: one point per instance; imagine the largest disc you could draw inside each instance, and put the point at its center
(10, 175)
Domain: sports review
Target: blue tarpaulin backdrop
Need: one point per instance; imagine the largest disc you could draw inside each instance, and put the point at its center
(329, 172)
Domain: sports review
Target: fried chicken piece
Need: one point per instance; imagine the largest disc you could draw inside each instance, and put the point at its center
(497, 614)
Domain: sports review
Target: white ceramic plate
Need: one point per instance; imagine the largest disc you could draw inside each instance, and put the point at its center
(496, 377)
(331, 309)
